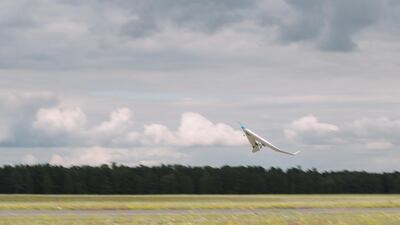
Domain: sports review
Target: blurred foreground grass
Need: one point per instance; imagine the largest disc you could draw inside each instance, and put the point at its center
(348, 218)
(57, 202)
(356, 216)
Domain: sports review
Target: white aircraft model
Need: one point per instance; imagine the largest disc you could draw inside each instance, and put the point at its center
(258, 142)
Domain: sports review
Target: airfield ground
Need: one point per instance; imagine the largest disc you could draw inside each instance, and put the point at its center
(205, 209)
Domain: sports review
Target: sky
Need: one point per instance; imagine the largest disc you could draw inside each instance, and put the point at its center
(166, 82)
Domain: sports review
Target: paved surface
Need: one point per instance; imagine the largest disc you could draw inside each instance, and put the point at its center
(185, 211)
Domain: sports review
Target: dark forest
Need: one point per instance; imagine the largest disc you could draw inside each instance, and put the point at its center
(178, 179)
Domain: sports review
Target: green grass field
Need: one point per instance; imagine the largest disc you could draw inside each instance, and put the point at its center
(156, 202)
(57, 202)
(257, 219)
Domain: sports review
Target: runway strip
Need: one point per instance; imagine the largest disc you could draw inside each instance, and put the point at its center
(188, 211)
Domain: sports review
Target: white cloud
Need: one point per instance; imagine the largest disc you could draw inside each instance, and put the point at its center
(57, 160)
(309, 130)
(29, 159)
(362, 134)
(132, 156)
(65, 125)
(158, 134)
(16, 100)
(90, 156)
(321, 99)
(379, 145)
(194, 130)
(118, 130)
(60, 119)
(375, 127)
(4, 133)
(72, 127)
(197, 130)
(377, 133)
(119, 121)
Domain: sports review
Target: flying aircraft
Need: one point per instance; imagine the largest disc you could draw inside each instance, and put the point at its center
(258, 142)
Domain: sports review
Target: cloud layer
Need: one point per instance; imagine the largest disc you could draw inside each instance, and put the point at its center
(309, 130)
(99, 155)
(120, 33)
(72, 136)
(332, 25)
(63, 125)
(121, 76)
(194, 130)
(371, 133)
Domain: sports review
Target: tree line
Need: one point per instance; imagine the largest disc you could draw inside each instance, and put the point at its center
(178, 179)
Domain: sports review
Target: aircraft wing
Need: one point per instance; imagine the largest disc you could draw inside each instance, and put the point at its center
(257, 142)
(273, 147)
(256, 146)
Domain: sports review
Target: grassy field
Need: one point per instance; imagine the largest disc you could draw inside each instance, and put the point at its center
(149, 202)
(269, 219)
(155, 202)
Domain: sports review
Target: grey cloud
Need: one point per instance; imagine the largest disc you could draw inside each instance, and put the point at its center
(140, 27)
(64, 125)
(15, 16)
(348, 17)
(306, 25)
(370, 133)
(136, 34)
(381, 128)
(221, 59)
(119, 144)
(204, 16)
(17, 110)
(66, 35)
(331, 24)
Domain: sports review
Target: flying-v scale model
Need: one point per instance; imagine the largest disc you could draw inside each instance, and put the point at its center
(258, 142)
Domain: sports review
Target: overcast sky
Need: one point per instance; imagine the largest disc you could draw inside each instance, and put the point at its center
(155, 81)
